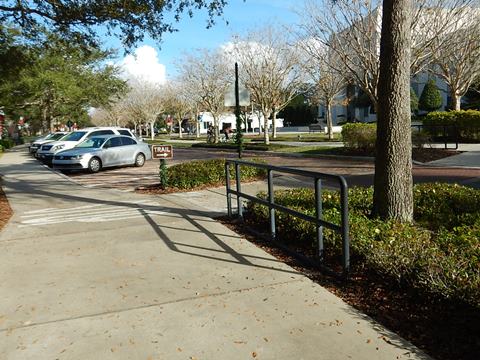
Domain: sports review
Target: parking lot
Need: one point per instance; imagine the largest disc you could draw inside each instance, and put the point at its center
(357, 172)
(129, 178)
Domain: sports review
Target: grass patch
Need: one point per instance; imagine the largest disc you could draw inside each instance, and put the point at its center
(176, 145)
(306, 149)
(247, 146)
(303, 137)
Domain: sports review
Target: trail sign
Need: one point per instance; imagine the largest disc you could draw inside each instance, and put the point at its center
(162, 151)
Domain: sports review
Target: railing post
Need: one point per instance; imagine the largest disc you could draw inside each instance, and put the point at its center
(345, 229)
(318, 214)
(456, 132)
(239, 190)
(445, 136)
(229, 196)
(271, 200)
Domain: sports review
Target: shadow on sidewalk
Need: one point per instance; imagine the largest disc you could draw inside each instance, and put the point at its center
(194, 217)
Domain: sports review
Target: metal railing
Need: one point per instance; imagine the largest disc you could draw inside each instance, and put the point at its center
(272, 206)
(444, 133)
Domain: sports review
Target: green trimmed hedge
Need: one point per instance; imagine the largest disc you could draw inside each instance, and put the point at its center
(7, 143)
(359, 136)
(467, 122)
(194, 174)
(438, 254)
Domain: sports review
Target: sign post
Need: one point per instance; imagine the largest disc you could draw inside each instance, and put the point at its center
(162, 152)
(2, 120)
(236, 97)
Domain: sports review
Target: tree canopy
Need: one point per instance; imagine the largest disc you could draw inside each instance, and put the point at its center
(54, 79)
(130, 20)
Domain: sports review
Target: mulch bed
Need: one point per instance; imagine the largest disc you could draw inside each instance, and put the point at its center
(5, 210)
(443, 329)
(426, 155)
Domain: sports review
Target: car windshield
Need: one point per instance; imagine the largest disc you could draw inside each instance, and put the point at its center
(74, 136)
(56, 136)
(49, 136)
(95, 142)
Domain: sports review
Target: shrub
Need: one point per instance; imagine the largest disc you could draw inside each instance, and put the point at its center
(467, 122)
(446, 206)
(439, 254)
(7, 143)
(430, 99)
(207, 172)
(359, 136)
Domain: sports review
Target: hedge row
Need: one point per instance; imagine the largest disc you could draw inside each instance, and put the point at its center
(6, 143)
(194, 174)
(466, 121)
(438, 254)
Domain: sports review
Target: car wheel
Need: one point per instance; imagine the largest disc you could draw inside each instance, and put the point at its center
(139, 160)
(94, 165)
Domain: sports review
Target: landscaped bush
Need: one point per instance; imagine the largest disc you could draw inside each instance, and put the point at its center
(467, 122)
(359, 136)
(438, 254)
(7, 143)
(207, 172)
(430, 98)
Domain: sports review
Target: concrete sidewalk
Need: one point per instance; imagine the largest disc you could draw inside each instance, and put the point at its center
(103, 274)
(467, 159)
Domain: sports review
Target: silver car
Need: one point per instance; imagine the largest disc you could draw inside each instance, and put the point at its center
(99, 152)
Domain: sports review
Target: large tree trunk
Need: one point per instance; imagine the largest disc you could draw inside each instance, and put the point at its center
(393, 194)
(152, 131)
(266, 138)
(180, 133)
(274, 124)
(328, 115)
(46, 120)
(456, 99)
(197, 124)
(216, 129)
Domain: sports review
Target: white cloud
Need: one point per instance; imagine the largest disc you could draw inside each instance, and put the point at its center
(144, 65)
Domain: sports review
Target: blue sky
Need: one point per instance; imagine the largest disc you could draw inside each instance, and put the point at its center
(240, 15)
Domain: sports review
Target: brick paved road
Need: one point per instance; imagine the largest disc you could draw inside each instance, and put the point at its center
(356, 172)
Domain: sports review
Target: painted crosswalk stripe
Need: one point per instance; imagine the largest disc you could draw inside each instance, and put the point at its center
(94, 213)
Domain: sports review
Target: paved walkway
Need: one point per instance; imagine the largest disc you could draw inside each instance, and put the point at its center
(103, 274)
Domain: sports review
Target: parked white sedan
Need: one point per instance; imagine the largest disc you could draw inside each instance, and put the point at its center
(103, 151)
